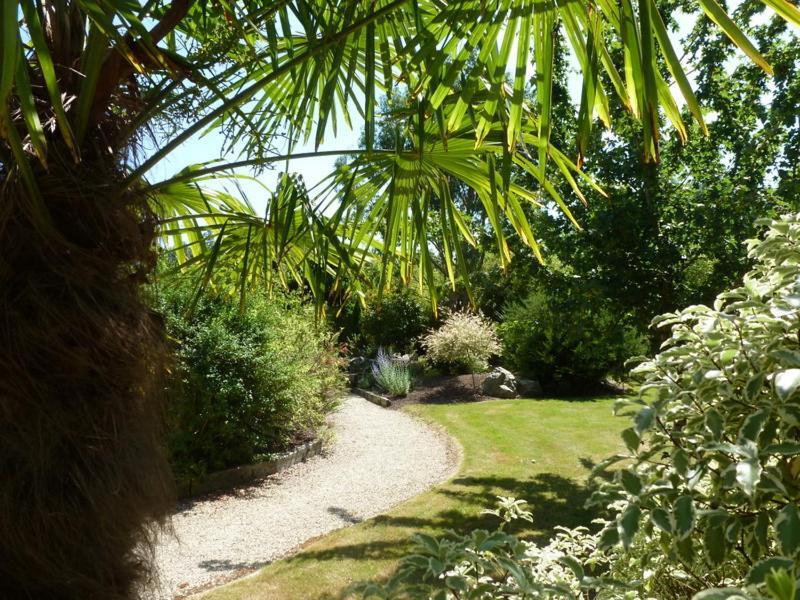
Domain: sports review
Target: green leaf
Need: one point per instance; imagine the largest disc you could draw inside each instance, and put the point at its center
(684, 513)
(681, 461)
(574, 565)
(714, 544)
(785, 9)
(661, 519)
(685, 548)
(631, 439)
(754, 386)
(644, 420)
(717, 14)
(753, 425)
(631, 482)
(9, 48)
(715, 423)
(787, 358)
(781, 585)
(787, 528)
(762, 568)
(609, 536)
(628, 524)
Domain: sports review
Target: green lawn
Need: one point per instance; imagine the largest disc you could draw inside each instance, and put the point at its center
(540, 451)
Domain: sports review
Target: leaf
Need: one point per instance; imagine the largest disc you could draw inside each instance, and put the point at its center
(781, 585)
(660, 519)
(457, 582)
(681, 461)
(786, 10)
(714, 544)
(631, 439)
(9, 47)
(685, 548)
(628, 524)
(684, 513)
(574, 565)
(753, 387)
(609, 536)
(631, 482)
(786, 383)
(787, 358)
(753, 425)
(644, 420)
(715, 423)
(717, 14)
(762, 568)
(787, 528)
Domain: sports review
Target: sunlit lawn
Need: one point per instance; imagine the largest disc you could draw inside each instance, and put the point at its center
(538, 450)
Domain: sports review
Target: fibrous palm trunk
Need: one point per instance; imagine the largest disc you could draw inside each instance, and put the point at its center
(83, 475)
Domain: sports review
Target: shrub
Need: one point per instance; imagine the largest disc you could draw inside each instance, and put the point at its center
(464, 342)
(245, 384)
(493, 564)
(394, 321)
(391, 375)
(563, 335)
(706, 502)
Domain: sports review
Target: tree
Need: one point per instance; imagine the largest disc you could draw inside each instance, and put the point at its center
(84, 82)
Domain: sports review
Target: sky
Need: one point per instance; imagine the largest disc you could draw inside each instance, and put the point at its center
(203, 148)
(199, 149)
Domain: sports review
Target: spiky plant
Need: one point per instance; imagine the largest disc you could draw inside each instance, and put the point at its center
(84, 82)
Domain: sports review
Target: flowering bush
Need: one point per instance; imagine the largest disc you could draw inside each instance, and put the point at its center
(484, 564)
(464, 342)
(391, 375)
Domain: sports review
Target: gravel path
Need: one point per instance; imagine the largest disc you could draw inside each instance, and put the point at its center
(378, 458)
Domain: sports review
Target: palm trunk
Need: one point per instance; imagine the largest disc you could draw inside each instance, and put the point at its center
(82, 469)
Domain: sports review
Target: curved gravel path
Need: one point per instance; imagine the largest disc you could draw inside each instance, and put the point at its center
(378, 458)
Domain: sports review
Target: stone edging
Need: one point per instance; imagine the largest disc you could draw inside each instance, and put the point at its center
(230, 478)
(373, 397)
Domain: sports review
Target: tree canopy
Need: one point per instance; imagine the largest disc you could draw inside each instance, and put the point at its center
(94, 77)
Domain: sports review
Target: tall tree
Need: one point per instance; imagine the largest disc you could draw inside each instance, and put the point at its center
(84, 82)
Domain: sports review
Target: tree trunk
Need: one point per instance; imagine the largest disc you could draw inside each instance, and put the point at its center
(83, 474)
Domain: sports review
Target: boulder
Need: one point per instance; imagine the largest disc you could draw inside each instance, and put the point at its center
(529, 388)
(500, 383)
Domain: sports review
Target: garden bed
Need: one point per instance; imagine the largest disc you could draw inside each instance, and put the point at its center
(443, 389)
(236, 476)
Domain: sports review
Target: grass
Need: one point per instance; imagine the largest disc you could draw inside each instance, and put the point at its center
(540, 451)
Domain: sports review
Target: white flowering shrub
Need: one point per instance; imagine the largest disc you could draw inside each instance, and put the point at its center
(465, 341)
(705, 504)
(494, 564)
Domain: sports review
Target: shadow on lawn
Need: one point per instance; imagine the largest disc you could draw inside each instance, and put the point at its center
(553, 500)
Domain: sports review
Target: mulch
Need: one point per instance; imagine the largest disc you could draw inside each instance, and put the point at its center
(445, 389)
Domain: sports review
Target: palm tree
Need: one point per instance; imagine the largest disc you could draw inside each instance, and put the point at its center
(86, 83)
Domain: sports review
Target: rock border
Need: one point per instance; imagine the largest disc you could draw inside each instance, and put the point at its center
(236, 476)
(373, 397)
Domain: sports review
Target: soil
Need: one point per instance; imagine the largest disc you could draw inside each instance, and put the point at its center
(444, 389)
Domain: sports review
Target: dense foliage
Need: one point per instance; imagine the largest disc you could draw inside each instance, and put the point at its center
(464, 343)
(394, 321)
(94, 95)
(706, 502)
(245, 383)
(566, 336)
